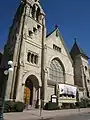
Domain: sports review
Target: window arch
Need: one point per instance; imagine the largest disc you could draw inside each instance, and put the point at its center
(33, 11)
(28, 56)
(32, 58)
(56, 71)
(37, 14)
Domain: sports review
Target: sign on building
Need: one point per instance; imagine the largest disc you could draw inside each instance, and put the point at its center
(67, 89)
(53, 98)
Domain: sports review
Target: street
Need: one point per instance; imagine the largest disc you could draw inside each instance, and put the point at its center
(70, 114)
(82, 116)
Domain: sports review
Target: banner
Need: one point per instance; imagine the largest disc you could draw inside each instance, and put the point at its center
(67, 89)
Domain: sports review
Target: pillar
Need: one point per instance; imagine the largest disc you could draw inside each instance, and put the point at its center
(34, 96)
(9, 85)
(45, 86)
(19, 96)
(39, 91)
(30, 11)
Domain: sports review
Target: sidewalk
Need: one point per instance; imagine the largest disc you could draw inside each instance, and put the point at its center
(35, 114)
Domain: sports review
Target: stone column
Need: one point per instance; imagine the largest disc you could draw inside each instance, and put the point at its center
(39, 91)
(19, 96)
(30, 11)
(45, 86)
(22, 92)
(64, 77)
(9, 85)
(34, 97)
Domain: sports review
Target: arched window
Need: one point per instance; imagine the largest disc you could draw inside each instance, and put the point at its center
(32, 58)
(33, 11)
(56, 71)
(36, 59)
(38, 14)
(28, 57)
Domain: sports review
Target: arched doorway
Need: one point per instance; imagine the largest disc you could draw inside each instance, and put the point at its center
(31, 90)
(28, 92)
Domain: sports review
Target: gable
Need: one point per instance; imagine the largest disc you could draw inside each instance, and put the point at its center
(55, 38)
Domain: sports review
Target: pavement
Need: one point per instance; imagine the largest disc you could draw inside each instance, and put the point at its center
(46, 115)
(81, 116)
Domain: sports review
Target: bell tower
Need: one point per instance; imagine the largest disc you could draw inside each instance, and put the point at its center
(26, 37)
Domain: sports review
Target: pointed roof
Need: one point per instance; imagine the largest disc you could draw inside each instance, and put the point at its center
(59, 34)
(76, 50)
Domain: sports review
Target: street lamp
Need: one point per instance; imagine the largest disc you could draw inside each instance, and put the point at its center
(6, 72)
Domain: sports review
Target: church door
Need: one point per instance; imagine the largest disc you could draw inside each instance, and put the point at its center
(28, 92)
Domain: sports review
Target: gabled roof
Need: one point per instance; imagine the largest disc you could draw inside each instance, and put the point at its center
(76, 50)
(57, 29)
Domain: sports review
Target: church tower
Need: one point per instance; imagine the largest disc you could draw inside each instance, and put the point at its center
(81, 70)
(25, 47)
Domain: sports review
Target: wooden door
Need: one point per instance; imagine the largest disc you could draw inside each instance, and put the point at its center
(27, 95)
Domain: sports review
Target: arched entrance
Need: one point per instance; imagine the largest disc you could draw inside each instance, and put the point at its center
(31, 91)
(28, 92)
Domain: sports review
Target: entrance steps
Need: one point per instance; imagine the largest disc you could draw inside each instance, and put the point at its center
(30, 107)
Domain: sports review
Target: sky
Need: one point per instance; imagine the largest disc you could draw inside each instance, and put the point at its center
(72, 17)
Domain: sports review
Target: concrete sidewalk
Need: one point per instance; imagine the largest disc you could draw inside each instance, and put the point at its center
(35, 114)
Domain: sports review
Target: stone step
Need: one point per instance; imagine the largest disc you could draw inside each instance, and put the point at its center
(29, 107)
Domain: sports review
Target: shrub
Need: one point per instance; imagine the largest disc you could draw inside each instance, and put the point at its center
(85, 102)
(19, 106)
(65, 105)
(51, 106)
(9, 106)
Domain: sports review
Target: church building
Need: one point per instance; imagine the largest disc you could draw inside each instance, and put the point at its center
(42, 64)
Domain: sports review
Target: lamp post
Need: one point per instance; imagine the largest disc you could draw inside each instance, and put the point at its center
(6, 72)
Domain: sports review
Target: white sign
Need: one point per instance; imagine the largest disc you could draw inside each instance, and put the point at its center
(67, 89)
(54, 97)
(54, 100)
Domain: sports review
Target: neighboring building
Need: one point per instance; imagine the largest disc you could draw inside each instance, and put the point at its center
(41, 63)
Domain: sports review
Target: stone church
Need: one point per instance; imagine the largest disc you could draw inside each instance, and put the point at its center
(42, 63)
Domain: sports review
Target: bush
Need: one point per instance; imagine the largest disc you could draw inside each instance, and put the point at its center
(84, 103)
(9, 106)
(19, 106)
(51, 106)
(68, 106)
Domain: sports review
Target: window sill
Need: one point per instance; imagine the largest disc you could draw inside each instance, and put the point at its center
(31, 64)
